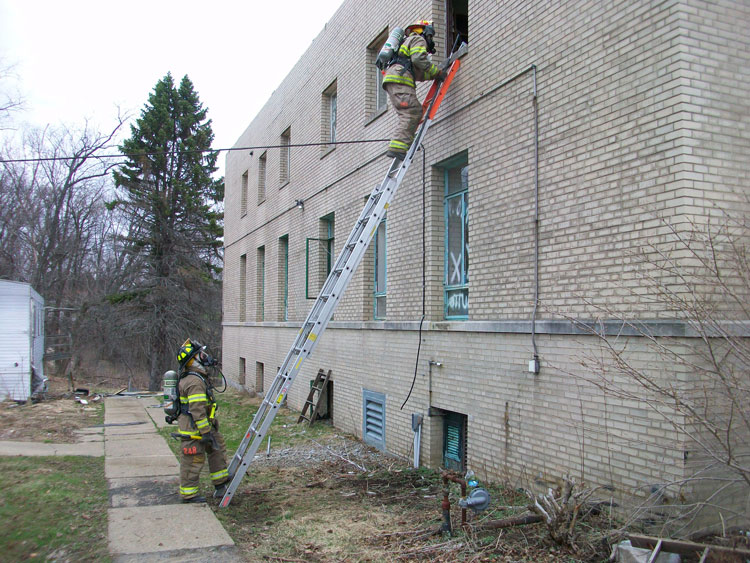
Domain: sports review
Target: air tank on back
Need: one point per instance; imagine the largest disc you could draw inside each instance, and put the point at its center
(389, 49)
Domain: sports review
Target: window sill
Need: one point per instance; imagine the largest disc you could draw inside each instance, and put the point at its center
(326, 150)
(284, 184)
(375, 115)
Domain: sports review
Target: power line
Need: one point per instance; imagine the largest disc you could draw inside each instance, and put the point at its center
(155, 153)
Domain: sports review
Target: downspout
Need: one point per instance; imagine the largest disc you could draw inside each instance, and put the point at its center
(536, 225)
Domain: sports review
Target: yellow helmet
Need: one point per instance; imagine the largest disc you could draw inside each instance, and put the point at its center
(421, 27)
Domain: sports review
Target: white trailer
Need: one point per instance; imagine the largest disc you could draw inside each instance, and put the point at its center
(21, 341)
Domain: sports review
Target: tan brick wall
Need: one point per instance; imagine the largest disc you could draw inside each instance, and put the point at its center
(643, 125)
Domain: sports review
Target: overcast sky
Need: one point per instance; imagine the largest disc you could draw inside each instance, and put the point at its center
(81, 59)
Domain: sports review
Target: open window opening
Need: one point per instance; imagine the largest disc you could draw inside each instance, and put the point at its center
(457, 24)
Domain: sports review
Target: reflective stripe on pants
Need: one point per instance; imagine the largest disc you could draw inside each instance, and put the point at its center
(409, 110)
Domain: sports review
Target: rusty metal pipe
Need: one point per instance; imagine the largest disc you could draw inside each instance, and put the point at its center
(446, 506)
(449, 476)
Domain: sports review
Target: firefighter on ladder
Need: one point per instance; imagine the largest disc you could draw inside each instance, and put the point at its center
(411, 64)
(198, 425)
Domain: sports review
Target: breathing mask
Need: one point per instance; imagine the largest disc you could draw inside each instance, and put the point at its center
(429, 34)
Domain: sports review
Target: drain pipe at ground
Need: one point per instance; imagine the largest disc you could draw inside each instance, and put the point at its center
(416, 426)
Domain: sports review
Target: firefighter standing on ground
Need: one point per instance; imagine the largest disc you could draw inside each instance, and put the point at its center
(198, 426)
(411, 64)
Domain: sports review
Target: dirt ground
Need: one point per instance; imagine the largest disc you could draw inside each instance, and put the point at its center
(335, 499)
(321, 496)
(52, 419)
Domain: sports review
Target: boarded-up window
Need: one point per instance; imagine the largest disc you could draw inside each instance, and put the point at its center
(456, 202)
(285, 161)
(258, 377)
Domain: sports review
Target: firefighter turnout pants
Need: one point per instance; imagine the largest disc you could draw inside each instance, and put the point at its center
(409, 111)
(192, 458)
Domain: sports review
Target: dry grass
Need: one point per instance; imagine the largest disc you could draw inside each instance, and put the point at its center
(311, 501)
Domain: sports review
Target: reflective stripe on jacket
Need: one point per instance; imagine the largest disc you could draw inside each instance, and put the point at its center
(413, 48)
(194, 396)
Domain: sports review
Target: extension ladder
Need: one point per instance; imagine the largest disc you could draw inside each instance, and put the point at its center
(310, 410)
(335, 285)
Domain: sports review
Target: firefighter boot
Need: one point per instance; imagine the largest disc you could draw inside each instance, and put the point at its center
(197, 499)
(220, 490)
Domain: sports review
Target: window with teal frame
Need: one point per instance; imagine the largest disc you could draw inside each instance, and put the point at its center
(319, 257)
(456, 281)
(381, 272)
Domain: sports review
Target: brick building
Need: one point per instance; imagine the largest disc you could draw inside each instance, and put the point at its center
(576, 139)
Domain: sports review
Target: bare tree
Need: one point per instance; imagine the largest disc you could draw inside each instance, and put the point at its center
(55, 232)
(10, 99)
(701, 279)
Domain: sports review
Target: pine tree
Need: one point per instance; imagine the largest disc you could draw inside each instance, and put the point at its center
(174, 231)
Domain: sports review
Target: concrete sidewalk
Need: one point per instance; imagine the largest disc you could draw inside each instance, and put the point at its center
(147, 521)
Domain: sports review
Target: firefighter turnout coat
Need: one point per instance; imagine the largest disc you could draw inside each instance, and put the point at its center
(198, 418)
(198, 407)
(412, 64)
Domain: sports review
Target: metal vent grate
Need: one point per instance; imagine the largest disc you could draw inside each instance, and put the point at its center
(373, 422)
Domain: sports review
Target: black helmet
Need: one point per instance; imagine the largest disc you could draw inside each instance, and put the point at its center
(187, 352)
